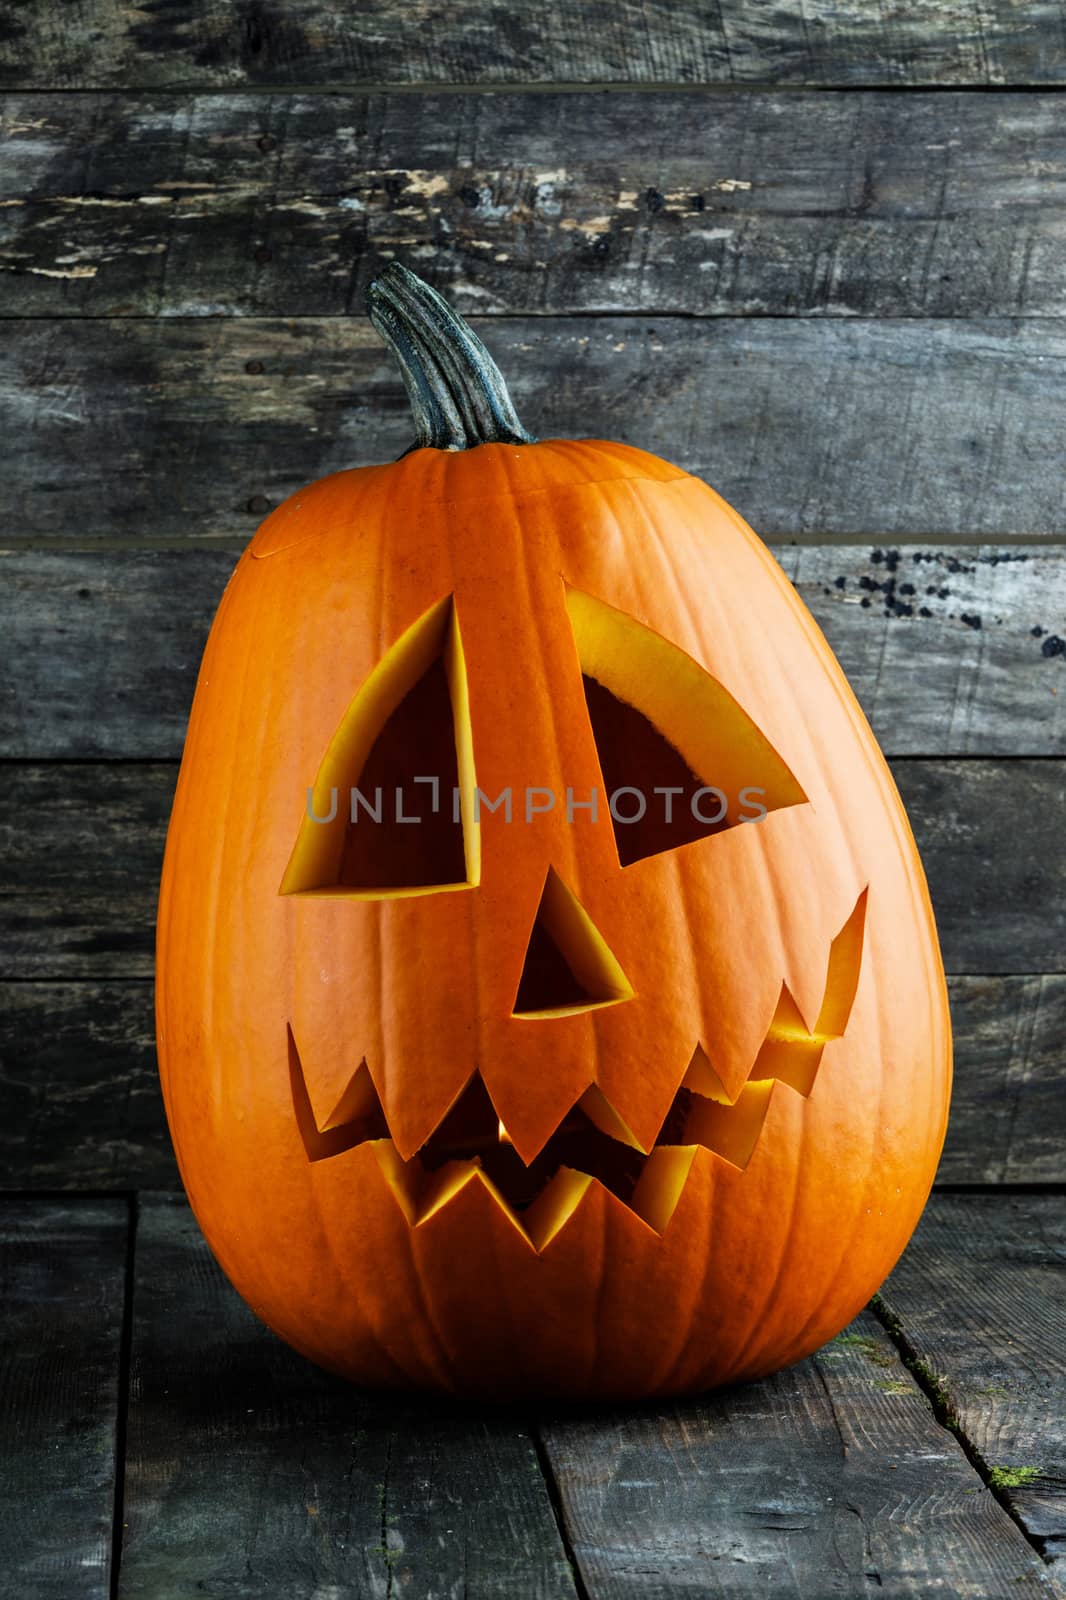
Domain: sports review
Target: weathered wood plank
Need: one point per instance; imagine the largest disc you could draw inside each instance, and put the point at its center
(484, 42)
(831, 1478)
(952, 651)
(105, 648)
(181, 428)
(946, 649)
(251, 1473)
(992, 836)
(80, 1104)
(81, 846)
(1006, 1106)
(62, 1288)
(977, 1300)
(941, 205)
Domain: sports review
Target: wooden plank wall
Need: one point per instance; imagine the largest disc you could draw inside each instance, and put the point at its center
(844, 310)
(477, 42)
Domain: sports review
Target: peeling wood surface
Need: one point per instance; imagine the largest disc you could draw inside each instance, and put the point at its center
(955, 650)
(82, 844)
(978, 1302)
(180, 428)
(251, 1474)
(866, 204)
(830, 1478)
(62, 1290)
(485, 42)
(80, 1106)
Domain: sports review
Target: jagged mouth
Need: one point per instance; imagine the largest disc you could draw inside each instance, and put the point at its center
(473, 1132)
(592, 1142)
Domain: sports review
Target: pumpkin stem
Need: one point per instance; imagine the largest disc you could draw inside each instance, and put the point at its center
(457, 392)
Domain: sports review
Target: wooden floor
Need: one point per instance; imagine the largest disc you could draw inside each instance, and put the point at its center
(158, 1442)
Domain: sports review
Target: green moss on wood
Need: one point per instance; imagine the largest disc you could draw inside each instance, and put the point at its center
(1012, 1477)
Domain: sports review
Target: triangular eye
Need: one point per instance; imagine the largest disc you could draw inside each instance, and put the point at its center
(680, 758)
(402, 752)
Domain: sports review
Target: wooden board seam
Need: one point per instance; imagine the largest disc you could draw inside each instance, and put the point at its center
(555, 1500)
(125, 1367)
(934, 1387)
(523, 86)
(222, 542)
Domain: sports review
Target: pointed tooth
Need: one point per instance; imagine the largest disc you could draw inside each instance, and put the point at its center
(731, 1131)
(702, 1079)
(795, 1064)
(404, 1178)
(842, 979)
(504, 1205)
(660, 1184)
(444, 1185)
(554, 1206)
(599, 1110)
(788, 1020)
(358, 1104)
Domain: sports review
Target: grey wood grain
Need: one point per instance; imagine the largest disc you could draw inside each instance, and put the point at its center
(977, 1301)
(81, 846)
(865, 204)
(104, 648)
(992, 836)
(62, 1290)
(181, 428)
(82, 849)
(951, 650)
(1006, 1105)
(473, 42)
(80, 1104)
(830, 1478)
(251, 1473)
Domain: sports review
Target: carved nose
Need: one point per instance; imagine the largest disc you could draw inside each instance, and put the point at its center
(569, 966)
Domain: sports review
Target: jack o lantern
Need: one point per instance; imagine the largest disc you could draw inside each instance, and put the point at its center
(549, 995)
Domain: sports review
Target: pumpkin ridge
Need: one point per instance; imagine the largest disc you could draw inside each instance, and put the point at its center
(518, 493)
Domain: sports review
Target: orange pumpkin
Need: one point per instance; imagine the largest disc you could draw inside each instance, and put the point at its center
(622, 1071)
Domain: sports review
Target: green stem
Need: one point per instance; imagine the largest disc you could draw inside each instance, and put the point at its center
(456, 390)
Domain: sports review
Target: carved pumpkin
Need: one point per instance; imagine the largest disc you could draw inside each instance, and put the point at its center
(617, 1098)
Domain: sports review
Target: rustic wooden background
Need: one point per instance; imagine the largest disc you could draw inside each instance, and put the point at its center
(816, 254)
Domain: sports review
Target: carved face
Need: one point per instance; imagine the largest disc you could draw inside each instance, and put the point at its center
(396, 812)
(542, 934)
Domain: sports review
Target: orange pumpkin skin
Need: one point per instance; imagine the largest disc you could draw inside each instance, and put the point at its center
(756, 1265)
